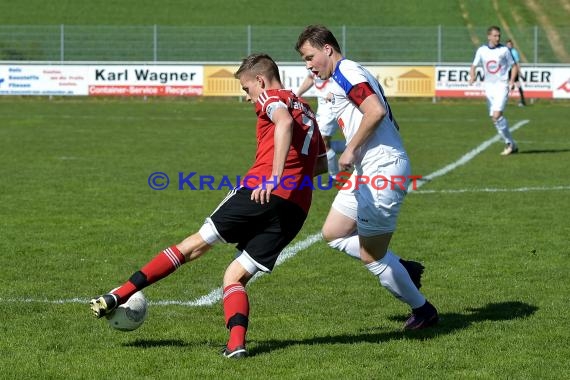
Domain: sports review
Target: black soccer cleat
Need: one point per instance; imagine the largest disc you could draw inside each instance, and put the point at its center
(104, 305)
(422, 317)
(237, 353)
(415, 270)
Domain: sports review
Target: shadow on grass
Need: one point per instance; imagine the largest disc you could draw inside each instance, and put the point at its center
(149, 343)
(537, 151)
(449, 323)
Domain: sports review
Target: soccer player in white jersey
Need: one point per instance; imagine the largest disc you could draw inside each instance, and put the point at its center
(325, 118)
(497, 60)
(363, 218)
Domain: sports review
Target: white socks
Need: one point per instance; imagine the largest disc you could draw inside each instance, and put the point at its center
(332, 162)
(390, 272)
(502, 126)
(349, 245)
(394, 277)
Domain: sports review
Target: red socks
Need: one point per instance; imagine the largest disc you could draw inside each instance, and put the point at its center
(159, 267)
(236, 311)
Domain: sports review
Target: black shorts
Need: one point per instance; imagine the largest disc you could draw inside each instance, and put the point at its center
(262, 230)
(516, 76)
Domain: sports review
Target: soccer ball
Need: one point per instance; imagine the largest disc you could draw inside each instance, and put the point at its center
(130, 315)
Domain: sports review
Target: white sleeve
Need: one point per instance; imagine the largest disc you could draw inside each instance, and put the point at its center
(271, 107)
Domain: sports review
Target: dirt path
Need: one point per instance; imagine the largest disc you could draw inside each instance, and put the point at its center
(552, 34)
(465, 15)
(507, 29)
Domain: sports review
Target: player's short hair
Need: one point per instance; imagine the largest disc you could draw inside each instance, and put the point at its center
(259, 64)
(492, 28)
(318, 36)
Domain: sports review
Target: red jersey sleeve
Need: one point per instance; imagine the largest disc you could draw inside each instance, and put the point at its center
(360, 92)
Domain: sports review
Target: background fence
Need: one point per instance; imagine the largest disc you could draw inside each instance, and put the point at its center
(156, 43)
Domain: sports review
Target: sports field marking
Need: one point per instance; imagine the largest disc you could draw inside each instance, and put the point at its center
(495, 190)
(216, 294)
(207, 300)
(464, 159)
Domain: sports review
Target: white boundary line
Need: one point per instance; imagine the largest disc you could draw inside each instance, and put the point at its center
(465, 158)
(207, 300)
(494, 190)
(216, 294)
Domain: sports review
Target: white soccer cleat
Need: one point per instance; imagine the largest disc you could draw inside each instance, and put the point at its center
(509, 149)
(104, 304)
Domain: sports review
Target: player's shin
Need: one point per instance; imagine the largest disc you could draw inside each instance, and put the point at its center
(502, 126)
(394, 277)
(236, 312)
(163, 264)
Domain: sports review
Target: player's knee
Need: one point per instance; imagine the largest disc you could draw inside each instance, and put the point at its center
(240, 270)
(328, 235)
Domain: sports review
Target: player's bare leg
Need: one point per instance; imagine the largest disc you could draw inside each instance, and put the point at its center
(339, 231)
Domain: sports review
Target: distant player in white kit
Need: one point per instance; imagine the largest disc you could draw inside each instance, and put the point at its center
(497, 60)
(325, 118)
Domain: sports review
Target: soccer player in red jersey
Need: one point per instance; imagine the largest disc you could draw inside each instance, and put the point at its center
(261, 216)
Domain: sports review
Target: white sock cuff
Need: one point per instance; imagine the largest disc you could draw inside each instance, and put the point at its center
(349, 245)
(330, 154)
(379, 266)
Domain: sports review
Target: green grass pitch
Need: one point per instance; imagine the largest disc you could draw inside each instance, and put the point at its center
(77, 217)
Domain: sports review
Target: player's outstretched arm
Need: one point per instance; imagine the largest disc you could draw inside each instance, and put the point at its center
(472, 75)
(305, 86)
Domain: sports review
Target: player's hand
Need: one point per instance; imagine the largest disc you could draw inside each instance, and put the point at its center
(346, 160)
(262, 194)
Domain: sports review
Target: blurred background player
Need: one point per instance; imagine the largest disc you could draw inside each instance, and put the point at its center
(325, 119)
(517, 59)
(362, 219)
(497, 60)
(257, 216)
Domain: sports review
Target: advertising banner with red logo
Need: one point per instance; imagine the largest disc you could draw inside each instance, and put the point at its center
(453, 81)
(102, 80)
(561, 83)
(149, 79)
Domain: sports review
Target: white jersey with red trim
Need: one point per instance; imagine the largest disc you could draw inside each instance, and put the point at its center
(386, 139)
(496, 62)
(324, 110)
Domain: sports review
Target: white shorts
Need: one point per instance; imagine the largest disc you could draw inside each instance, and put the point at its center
(375, 206)
(327, 125)
(497, 96)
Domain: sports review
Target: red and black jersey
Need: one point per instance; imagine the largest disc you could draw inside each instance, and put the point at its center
(306, 145)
